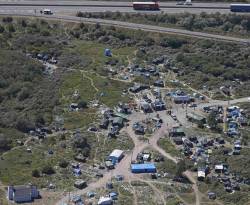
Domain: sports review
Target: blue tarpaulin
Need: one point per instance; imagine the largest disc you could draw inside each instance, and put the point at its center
(143, 168)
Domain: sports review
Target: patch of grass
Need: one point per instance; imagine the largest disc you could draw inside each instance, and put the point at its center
(173, 201)
(219, 96)
(103, 146)
(111, 90)
(16, 165)
(93, 87)
(167, 145)
(188, 197)
(238, 197)
(237, 163)
(95, 52)
(74, 120)
(12, 134)
(3, 200)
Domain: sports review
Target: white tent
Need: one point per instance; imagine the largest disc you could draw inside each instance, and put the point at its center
(105, 201)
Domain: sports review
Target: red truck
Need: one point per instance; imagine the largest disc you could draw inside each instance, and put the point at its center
(146, 6)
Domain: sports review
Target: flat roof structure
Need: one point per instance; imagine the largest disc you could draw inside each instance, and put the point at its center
(143, 168)
(116, 153)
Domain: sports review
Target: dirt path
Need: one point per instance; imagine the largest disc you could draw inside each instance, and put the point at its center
(135, 201)
(91, 81)
(156, 190)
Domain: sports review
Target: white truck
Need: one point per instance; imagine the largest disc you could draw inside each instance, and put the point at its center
(46, 12)
(188, 3)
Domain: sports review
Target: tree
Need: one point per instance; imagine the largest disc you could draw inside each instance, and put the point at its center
(180, 168)
(211, 120)
(35, 173)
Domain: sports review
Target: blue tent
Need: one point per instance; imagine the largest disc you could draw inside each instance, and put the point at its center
(235, 113)
(107, 52)
(77, 172)
(143, 168)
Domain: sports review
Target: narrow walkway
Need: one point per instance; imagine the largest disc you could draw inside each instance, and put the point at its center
(91, 81)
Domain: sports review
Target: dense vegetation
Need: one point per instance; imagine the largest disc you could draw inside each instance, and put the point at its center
(230, 24)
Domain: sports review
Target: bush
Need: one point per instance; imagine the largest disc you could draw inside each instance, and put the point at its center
(45, 33)
(5, 143)
(80, 142)
(172, 42)
(24, 125)
(80, 14)
(7, 19)
(25, 93)
(23, 23)
(47, 169)
(39, 120)
(11, 28)
(36, 173)
(63, 163)
(180, 168)
(1, 29)
(82, 104)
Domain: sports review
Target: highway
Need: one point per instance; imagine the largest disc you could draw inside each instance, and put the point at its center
(62, 7)
(107, 4)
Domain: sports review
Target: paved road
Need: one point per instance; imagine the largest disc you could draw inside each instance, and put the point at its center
(72, 9)
(134, 26)
(102, 6)
(107, 3)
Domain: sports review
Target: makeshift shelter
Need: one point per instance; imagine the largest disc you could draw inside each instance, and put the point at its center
(116, 156)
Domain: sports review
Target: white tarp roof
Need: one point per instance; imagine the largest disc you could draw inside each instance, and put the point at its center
(116, 153)
(219, 166)
(105, 201)
(201, 174)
